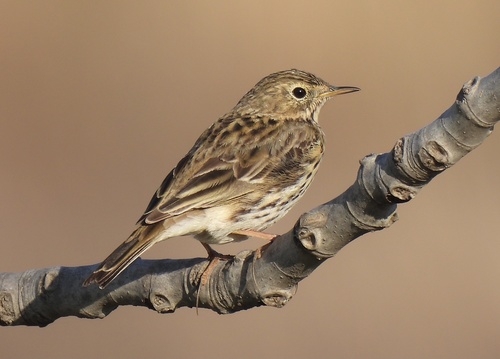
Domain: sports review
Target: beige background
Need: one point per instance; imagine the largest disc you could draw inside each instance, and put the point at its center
(98, 100)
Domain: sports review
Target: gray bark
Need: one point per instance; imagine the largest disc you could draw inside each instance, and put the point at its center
(268, 276)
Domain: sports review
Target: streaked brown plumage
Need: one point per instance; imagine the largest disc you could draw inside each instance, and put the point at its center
(244, 173)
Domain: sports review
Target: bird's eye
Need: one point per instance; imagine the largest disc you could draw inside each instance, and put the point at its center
(299, 92)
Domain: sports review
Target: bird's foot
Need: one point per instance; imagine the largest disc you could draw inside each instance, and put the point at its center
(258, 251)
(214, 257)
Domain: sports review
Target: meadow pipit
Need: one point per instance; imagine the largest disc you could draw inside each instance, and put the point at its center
(243, 174)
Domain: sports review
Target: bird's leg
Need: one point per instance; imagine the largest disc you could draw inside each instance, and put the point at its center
(213, 257)
(256, 234)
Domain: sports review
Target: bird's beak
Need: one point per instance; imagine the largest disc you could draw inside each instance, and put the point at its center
(334, 91)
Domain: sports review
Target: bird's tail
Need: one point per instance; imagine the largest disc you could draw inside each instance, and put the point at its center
(138, 242)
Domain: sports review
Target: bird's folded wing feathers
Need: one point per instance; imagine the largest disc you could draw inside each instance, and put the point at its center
(216, 182)
(215, 177)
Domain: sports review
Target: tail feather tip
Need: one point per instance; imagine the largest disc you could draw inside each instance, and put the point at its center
(96, 278)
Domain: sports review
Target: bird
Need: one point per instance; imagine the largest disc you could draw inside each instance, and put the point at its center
(243, 174)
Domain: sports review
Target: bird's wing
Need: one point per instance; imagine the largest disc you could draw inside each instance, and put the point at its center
(224, 165)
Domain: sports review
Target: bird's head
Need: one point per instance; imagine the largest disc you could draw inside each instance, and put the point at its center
(290, 94)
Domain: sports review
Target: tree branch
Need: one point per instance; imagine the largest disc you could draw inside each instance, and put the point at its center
(269, 275)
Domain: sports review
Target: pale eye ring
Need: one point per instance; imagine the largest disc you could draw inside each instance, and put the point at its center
(299, 92)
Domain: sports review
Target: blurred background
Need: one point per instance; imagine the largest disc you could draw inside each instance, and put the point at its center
(100, 99)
